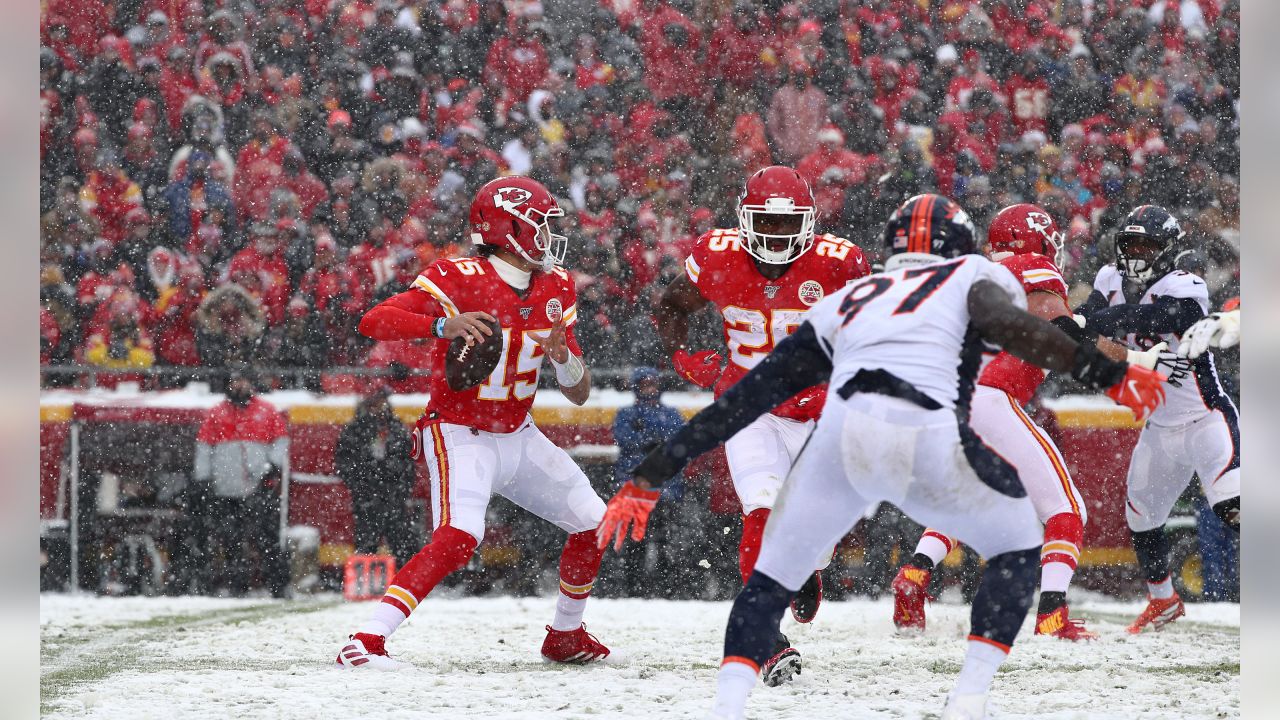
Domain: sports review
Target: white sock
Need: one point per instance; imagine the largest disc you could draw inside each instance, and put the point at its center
(981, 661)
(1055, 577)
(734, 683)
(568, 613)
(1162, 590)
(384, 620)
(933, 548)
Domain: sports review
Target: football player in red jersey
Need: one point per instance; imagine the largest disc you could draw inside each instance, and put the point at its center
(1026, 240)
(482, 440)
(762, 275)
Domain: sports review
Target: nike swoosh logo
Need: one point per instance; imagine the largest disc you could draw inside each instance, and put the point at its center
(443, 271)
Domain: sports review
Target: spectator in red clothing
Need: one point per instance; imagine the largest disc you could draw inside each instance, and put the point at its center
(1142, 84)
(740, 58)
(517, 63)
(973, 75)
(326, 280)
(50, 335)
(120, 341)
(258, 167)
(108, 195)
(297, 178)
(174, 313)
(672, 44)
(177, 84)
(225, 36)
(85, 21)
(950, 139)
(891, 90)
(590, 69)
(261, 269)
(796, 115)
(1029, 96)
(830, 170)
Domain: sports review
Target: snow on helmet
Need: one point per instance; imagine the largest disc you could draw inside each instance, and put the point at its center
(1026, 228)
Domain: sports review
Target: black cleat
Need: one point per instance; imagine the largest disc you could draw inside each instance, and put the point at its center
(804, 607)
(784, 665)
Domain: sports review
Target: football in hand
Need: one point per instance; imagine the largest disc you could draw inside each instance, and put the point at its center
(467, 366)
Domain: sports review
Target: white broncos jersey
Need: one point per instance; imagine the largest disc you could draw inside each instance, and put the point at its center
(1199, 394)
(914, 323)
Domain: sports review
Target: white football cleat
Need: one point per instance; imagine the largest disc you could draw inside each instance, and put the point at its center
(965, 707)
(368, 652)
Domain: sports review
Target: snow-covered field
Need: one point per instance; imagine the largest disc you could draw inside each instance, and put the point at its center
(169, 658)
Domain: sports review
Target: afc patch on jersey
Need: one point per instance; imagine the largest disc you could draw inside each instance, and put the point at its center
(555, 311)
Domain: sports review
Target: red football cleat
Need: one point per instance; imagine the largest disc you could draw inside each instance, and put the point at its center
(368, 652)
(909, 593)
(804, 606)
(1060, 625)
(572, 646)
(1159, 613)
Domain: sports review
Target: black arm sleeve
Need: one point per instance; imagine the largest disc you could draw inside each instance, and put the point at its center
(797, 363)
(1163, 315)
(1092, 304)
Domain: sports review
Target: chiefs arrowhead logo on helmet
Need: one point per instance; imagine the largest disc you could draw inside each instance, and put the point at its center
(510, 198)
(512, 213)
(1026, 228)
(1040, 222)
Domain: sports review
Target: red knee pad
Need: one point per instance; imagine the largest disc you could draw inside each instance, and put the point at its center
(1063, 535)
(749, 546)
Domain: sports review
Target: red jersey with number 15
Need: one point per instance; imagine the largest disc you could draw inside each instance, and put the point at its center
(1005, 372)
(502, 402)
(759, 312)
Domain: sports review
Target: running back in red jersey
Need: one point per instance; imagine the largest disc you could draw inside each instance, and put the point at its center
(1013, 375)
(759, 312)
(501, 403)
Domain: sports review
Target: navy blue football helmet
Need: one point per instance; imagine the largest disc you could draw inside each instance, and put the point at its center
(928, 225)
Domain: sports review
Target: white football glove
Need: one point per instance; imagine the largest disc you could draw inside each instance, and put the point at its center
(1158, 358)
(1220, 330)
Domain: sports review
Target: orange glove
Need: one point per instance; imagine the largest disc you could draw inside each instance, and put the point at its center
(630, 504)
(701, 369)
(1140, 390)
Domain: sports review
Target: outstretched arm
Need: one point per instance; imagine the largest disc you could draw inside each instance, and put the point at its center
(797, 363)
(1163, 315)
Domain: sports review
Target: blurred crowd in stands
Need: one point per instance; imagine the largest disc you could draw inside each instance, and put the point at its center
(228, 181)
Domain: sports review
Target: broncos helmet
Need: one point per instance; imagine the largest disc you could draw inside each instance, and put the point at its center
(1147, 243)
(925, 229)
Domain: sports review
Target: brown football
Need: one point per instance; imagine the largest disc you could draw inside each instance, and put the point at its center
(466, 367)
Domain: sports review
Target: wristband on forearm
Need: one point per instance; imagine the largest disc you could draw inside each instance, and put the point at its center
(437, 327)
(1094, 368)
(570, 373)
(1066, 324)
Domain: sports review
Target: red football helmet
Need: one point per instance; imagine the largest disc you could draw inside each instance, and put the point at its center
(776, 191)
(512, 213)
(1026, 228)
